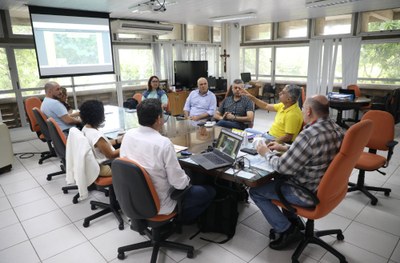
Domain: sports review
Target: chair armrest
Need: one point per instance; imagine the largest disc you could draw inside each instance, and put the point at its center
(107, 162)
(391, 146)
(178, 194)
(288, 206)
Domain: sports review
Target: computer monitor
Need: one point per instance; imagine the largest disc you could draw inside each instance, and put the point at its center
(246, 77)
(212, 82)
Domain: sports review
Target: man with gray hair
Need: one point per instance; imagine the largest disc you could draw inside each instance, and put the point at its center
(288, 120)
(304, 162)
(236, 109)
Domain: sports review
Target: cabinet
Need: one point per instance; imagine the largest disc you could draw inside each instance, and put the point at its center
(176, 101)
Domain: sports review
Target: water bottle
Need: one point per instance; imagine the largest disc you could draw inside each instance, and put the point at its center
(245, 142)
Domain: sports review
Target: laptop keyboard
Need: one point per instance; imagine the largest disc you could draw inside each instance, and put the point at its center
(215, 159)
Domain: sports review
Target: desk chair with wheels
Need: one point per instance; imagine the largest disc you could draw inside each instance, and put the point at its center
(41, 119)
(357, 94)
(30, 103)
(83, 169)
(139, 201)
(268, 93)
(382, 139)
(331, 190)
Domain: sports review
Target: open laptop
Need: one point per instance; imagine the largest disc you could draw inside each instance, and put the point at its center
(224, 154)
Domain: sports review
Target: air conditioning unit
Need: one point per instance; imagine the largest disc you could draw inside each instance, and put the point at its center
(142, 27)
(325, 3)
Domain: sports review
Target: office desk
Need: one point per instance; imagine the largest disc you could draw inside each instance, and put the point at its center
(340, 106)
(181, 132)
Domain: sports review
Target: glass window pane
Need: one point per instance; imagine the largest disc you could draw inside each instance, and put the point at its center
(93, 79)
(216, 34)
(135, 64)
(291, 63)
(257, 32)
(338, 68)
(292, 29)
(127, 37)
(249, 60)
(5, 78)
(196, 33)
(333, 25)
(176, 33)
(20, 22)
(379, 63)
(382, 20)
(264, 61)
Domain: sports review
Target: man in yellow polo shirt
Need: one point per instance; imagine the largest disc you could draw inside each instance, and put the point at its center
(288, 120)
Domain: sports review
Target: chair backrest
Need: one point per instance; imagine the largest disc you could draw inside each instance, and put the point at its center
(383, 131)
(268, 88)
(138, 96)
(357, 91)
(333, 186)
(41, 120)
(134, 189)
(58, 138)
(31, 103)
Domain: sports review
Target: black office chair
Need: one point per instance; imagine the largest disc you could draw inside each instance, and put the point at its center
(139, 201)
(268, 93)
(41, 120)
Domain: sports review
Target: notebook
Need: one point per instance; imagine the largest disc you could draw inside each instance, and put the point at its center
(224, 154)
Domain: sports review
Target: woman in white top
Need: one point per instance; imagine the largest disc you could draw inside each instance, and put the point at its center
(92, 115)
(155, 92)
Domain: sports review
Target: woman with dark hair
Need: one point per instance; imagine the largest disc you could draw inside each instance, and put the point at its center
(92, 116)
(155, 92)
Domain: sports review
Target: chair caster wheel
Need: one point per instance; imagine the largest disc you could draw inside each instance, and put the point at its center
(93, 207)
(373, 202)
(121, 226)
(85, 224)
(340, 236)
(48, 178)
(40, 162)
(387, 193)
(65, 191)
(121, 255)
(190, 254)
(74, 200)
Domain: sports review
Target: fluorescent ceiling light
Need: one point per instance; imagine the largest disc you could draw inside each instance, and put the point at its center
(326, 3)
(236, 17)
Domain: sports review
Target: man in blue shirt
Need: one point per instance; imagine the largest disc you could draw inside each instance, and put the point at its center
(201, 103)
(52, 107)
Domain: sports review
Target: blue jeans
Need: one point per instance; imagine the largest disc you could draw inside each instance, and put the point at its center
(196, 201)
(263, 195)
(231, 124)
(266, 135)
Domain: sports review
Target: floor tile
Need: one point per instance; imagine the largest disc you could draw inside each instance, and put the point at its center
(45, 223)
(20, 186)
(27, 196)
(35, 208)
(396, 254)
(20, 253)
(214, 253)
(4, 204)
(82, 253)
(7, 218)
(57, 241)
(12, 235)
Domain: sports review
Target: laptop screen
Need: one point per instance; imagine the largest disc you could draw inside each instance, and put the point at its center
(229, 143)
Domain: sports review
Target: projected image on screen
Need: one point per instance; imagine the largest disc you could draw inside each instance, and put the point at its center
(74, 44)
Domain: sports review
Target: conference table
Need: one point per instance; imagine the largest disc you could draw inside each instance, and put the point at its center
(341, 105)
(194, 136)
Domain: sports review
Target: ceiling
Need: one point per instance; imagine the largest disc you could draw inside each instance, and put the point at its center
(199, 11)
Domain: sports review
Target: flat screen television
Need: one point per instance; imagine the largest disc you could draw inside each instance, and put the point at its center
(71, 42)
(188, 72)
(246, 77)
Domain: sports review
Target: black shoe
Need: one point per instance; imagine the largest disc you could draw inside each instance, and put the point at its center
(286, 238)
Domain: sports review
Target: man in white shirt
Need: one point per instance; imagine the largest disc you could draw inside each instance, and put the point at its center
(156, 154)
(201, 103)
(52, 107)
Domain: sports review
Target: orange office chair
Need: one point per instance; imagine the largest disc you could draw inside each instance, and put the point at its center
(138, 96)
(139, 201)
(30, 103)
(357, 94)
(332, 189)
(382, 139)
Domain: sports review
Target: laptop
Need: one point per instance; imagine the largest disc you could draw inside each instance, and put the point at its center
(348, 92)
(224, 154)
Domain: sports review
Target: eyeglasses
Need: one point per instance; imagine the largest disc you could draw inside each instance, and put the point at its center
(155, 81)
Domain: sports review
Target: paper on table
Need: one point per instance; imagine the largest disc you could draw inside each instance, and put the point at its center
(179, 148)
(241, 173)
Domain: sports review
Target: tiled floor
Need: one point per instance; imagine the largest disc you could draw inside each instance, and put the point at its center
(38, 223)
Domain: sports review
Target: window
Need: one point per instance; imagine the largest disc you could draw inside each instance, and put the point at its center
(5, 79)
(291, 63)
(197, 33)
(382, 20)
(248, 60)
(292, 29)
(264, 63)
(333, 25)
(257, 32)
(176, 34)
(379, 63)
(20, 22)
(216, 34)
(136, 64)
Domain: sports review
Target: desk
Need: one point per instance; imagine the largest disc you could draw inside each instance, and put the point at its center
(340, 106)
(181, 132)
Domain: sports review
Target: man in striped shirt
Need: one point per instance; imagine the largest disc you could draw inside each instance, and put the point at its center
(305, 161)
